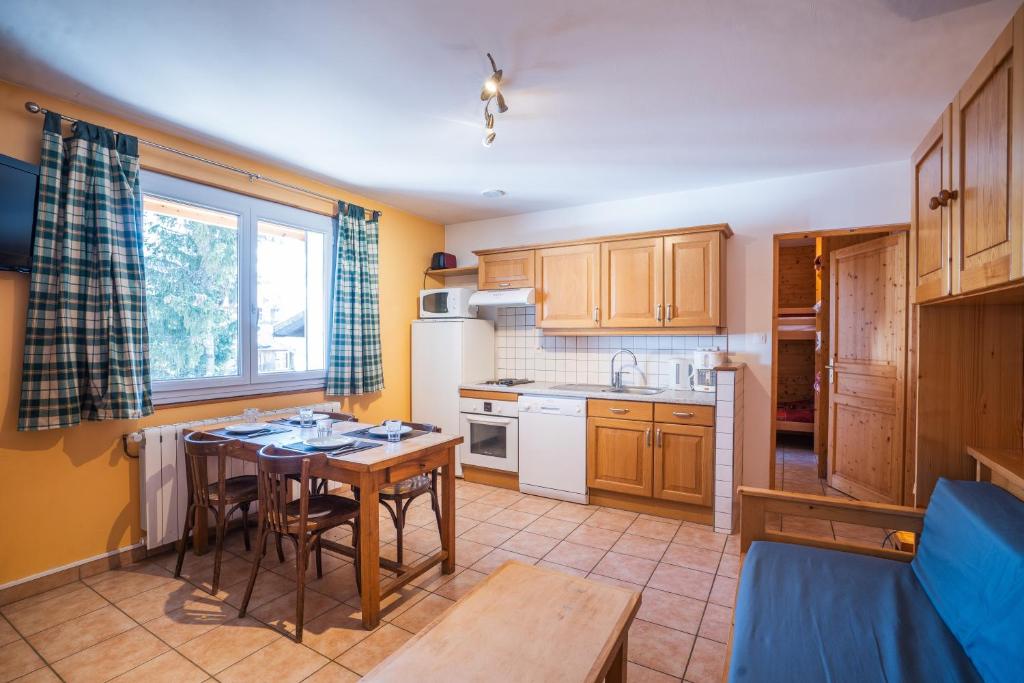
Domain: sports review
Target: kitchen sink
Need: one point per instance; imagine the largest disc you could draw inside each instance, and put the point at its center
(609, 389)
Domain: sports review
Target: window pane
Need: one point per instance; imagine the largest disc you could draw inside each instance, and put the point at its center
(290, 299)
(191, 290)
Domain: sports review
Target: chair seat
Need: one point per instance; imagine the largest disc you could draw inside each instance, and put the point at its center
(236, 489)
(325, 510)
(413, 485)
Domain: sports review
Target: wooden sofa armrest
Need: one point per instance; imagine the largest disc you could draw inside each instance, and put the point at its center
(755, 503)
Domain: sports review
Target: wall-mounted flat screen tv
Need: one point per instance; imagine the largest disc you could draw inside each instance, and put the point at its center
(18, 185)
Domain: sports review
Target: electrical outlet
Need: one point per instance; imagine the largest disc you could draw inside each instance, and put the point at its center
(762, 338)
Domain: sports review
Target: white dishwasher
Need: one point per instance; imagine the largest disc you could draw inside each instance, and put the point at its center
(553, 447)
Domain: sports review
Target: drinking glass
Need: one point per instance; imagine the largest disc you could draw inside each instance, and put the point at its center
(249, 415)
(305, 417)
(323, 427)
(394, 429)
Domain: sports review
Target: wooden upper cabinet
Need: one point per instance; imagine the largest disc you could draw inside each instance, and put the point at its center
(569, 286)
(930, 212)
(631, 283)
(619, 455)
(694, 271)
(506, 270)
(683, 463)
(988, 139)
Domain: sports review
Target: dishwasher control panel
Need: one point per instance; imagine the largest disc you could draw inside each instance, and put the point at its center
(552, 405)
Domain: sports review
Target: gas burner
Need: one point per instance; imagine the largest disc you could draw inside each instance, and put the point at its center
(509, 381)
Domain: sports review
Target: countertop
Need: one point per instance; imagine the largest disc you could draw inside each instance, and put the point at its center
(699, 398)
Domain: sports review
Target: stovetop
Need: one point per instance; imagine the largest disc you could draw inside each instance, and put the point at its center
(509, 381)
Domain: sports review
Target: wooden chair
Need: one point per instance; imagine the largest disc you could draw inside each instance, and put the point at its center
(302, 521)
(222, 497)
(319, 486)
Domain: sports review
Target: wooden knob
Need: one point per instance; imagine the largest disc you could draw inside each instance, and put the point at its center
(942, 199)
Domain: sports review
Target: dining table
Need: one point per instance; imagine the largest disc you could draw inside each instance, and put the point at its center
(368, 470)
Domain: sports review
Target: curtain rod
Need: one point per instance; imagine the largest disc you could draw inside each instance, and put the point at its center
(34, 108)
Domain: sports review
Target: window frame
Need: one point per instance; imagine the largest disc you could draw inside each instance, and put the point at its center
(250, 211)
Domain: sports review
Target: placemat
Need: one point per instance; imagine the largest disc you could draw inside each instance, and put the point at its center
(365, 434)
(296, 423)
(263, 432)
(344, 450)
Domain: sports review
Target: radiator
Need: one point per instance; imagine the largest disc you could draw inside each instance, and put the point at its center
(162, 489)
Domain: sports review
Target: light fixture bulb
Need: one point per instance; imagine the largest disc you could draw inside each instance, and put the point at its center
(491, 86)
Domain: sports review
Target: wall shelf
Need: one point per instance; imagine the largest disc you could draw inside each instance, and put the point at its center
(451, 272)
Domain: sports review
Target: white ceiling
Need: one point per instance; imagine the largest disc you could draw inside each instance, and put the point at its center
(608, 99)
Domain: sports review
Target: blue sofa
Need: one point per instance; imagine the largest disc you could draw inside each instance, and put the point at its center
(953, 613)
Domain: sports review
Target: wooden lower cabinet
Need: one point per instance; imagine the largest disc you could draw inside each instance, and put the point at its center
(683, 463)
(619, 455)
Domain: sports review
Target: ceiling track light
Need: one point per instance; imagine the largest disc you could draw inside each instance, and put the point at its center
(491, 90)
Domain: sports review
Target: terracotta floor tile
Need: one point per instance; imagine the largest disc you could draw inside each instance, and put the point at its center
(42, 615)
(732, 545)
(609, 520)
(729, 566)
(682, 581)
(370, 652)
(390, 552)
(7, 632)
(461, 584)
(283, 661)
(692, 557)
(170, 667)
(280, 612)
(396, 603)
(232, 569)
(514, 519)
(533, 545)
(434, 578)
(63, 640)
(534, 505)
(575, 555)
(43, 675)
(287, 569)
(112, 657)
(497, 557)
(562, 568)
(425, 540)
(671, 610)
(706, 663)
(192, 563)
(334, 631)
(422, 516)
(333, 673)
(658, 647)
(191, 621)
(464, 524)
(17, 659)
(230, 642)
(716, 623)
(467, 552)
(611, 581)
(571, 512)
(269, 586)
(422, 613)
(700, 538)
(594, 537)
(501, 497)
(488, 534)
(38, 598)
(626, 567)
(723, 592)
(650, 528)
(119, 584)
(641, 674)
(339, 584)
(640, 546)
(163, 599)
(554, 528)
(479, 511)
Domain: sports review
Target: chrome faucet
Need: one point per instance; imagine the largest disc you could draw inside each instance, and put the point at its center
(617, 376)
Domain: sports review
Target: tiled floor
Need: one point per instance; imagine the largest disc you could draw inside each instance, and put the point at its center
(141, 624)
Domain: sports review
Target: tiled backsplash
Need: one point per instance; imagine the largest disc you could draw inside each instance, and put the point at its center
(521, 350)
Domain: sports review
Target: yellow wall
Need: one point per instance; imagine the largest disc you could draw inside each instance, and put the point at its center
(71, 494)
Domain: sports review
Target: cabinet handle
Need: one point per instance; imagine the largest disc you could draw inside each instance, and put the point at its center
(657, 313)
(618, 411)
(942, 199)
(597, 316)
(683, 414)
(504, 284)
(668, 313)
(647, 435)
(658, 436)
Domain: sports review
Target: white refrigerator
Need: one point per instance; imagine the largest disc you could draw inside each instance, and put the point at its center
(446, 353)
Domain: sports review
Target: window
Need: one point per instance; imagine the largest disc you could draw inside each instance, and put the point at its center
(237, 292)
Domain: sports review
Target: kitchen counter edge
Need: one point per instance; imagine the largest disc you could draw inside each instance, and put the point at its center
(699, 398)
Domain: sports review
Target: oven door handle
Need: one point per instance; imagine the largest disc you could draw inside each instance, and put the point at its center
(500, 422)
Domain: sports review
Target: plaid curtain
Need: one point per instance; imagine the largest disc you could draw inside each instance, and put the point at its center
(86, 342)
(354, 354)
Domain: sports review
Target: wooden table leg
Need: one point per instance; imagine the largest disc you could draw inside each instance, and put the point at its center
(617, 671)
(369, 550)
(448, 512)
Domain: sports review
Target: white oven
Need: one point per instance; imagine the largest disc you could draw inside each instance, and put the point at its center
(490, 430)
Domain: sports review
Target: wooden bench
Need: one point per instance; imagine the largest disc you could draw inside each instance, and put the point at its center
(522, 623)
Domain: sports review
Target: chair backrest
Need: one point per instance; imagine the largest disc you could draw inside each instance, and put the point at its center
(423, 427)
(971, 565)
(199, 448)
(276, 472)
(342, 417)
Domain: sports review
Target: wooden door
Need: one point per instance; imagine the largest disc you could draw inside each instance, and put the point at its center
(988, 136)
(867, 343)
(684, 463)
(506, 270)
(694, 287)
(929, 218)
(569, 286)
(632, 283)
(619, 455)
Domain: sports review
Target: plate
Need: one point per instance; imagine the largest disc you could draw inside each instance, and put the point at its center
(380, 430)
(316, 416)
(247, 428)
(327, 443)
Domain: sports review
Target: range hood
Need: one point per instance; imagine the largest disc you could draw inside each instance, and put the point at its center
(502, 297)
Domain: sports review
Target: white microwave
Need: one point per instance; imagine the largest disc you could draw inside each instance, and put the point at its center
(450, 302)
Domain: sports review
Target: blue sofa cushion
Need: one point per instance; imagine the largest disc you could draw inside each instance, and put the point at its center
(807, 614)
(971, 565)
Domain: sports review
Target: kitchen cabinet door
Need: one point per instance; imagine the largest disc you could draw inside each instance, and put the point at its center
(569, 286)
(632, 285)
(930, 212)
(684, 463)
(619, 455)
(988, 139)
(506, 270)
(694, 280)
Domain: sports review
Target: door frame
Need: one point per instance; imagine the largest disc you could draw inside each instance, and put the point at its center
(777, 240)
